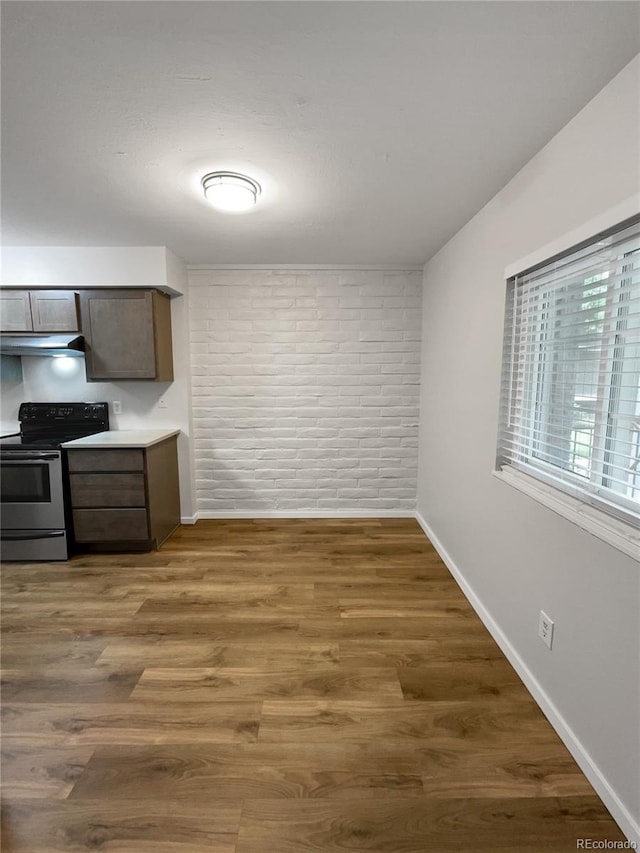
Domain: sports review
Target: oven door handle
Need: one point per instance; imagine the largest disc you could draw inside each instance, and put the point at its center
(27, 457)
(29, 534)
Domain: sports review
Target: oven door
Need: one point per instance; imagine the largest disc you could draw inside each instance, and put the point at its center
(31, 495)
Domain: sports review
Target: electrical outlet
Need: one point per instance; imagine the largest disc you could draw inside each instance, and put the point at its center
(545, 629)
(117, 407)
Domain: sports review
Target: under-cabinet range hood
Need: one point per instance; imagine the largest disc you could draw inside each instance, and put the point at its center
(19, 344)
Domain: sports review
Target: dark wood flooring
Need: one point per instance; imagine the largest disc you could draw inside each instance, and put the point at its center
(290, 686)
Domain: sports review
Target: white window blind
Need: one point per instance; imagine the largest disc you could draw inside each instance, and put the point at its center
(570, 402)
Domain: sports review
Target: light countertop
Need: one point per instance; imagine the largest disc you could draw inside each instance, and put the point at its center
(121, 438)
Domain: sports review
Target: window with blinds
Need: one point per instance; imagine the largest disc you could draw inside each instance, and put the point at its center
(570, 403)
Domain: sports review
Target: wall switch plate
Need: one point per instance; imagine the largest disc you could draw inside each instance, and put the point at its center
(117, 407)
(162, 403)
(545, 629)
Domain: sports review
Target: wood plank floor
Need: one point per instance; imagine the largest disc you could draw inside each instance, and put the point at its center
(265, 686)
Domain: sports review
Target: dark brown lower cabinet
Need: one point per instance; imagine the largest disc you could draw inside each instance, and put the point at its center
(124, 498)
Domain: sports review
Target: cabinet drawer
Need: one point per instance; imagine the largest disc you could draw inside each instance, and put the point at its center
(110, 525)
(128, 459)
(96, 490)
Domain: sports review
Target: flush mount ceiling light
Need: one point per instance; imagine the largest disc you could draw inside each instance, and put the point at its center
(230, 191)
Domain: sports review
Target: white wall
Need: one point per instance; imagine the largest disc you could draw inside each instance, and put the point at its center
(305, 391)
(52, 379)
(87, 266)
(513, 554)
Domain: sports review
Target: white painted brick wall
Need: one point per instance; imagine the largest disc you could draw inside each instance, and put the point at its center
(305, 390)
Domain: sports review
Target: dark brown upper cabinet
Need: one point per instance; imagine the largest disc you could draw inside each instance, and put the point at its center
(39, 310)
(127, 334)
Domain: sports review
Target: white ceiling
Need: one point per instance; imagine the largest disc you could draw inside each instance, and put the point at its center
(377, 128)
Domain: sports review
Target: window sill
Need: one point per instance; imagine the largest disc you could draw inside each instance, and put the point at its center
(616, 533)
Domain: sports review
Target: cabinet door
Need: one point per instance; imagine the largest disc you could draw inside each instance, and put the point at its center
(15, 311)
(118, 326)
(54, 310)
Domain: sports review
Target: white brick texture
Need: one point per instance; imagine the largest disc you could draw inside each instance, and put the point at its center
(305, 390)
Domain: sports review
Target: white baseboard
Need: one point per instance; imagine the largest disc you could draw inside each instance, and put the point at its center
(625, 820)
(189, 519)
(310, 513)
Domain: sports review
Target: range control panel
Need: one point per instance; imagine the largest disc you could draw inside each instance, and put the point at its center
(64, 413)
